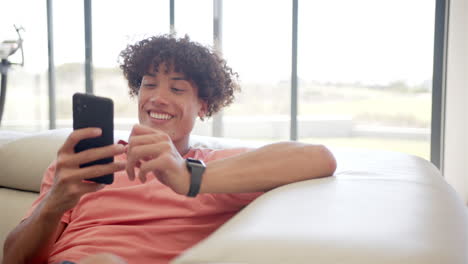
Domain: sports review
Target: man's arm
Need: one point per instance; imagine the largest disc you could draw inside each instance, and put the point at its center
(268, 167)
(255, 171)
(31, 240)
(35, 234)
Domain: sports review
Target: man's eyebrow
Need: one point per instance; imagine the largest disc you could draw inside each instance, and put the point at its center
(150, 74)
(179, 78)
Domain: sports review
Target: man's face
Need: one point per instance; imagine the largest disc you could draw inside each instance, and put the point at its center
(169, 102)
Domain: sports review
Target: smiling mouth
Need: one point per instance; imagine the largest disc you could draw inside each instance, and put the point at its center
(160, 116)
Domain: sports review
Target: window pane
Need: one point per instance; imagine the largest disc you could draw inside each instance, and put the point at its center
(128, 22)
(195, 18)
(365, 70)
(26, 105)
(257, 45)
(69, 55)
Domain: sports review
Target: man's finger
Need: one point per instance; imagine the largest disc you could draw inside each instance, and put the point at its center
(138, 164)
(142, 140)
(93, 154)
(100, 170)
(147, 152)
(147, 167)
(144, 152)
(138, 130)
(159, 167)
(78, 135)
(134, 155)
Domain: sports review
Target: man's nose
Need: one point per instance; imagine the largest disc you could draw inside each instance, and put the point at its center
(160, 95)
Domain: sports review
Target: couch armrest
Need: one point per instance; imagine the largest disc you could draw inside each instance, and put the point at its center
(354, 217)
(25, 159)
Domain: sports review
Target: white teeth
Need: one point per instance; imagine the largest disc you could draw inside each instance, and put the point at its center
(160, 116)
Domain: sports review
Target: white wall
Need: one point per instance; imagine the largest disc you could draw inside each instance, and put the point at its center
(456, 126)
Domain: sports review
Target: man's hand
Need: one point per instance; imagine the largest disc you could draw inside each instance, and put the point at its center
(69, 183)
(152, 150)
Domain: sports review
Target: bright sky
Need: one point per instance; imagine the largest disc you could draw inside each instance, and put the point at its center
(339, 40)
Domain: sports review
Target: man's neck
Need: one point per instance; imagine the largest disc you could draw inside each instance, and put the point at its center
(182, 146)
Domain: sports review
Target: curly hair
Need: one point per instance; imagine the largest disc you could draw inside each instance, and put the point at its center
(215, 80)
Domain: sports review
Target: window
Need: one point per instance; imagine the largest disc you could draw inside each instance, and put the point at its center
(257, 45)
(195, 18)
(129, 22)
(69, 50)
(364, 67)
(26, 105)
(365, 73)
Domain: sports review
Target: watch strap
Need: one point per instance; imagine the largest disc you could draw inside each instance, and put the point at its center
(196, 169)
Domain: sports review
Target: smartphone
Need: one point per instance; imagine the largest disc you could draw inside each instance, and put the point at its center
(94, 111)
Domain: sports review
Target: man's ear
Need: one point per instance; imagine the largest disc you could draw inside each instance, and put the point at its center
(203, 109)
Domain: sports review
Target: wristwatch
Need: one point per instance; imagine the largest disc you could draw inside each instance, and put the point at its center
(196, 169)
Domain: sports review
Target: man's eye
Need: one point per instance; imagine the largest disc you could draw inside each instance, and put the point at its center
(149, 85)
(177, 90)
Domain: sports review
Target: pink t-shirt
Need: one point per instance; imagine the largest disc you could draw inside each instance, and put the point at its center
(142, 223)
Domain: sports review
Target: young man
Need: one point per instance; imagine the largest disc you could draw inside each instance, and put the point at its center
(175, 202)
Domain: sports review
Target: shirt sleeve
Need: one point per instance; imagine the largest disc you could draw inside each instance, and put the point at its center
(46, 184)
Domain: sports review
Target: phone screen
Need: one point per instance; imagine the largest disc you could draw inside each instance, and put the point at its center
(94, 111)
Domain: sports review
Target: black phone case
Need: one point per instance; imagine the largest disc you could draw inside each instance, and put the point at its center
(94, 111)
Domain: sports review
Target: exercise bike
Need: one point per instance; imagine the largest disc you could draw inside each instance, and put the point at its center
(8, 48)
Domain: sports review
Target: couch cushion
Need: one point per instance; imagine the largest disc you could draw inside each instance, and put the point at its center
(14, 206)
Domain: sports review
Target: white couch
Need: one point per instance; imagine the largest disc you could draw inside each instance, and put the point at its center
(379, 207)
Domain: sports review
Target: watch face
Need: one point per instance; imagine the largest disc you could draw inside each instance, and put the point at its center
(195, 162)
